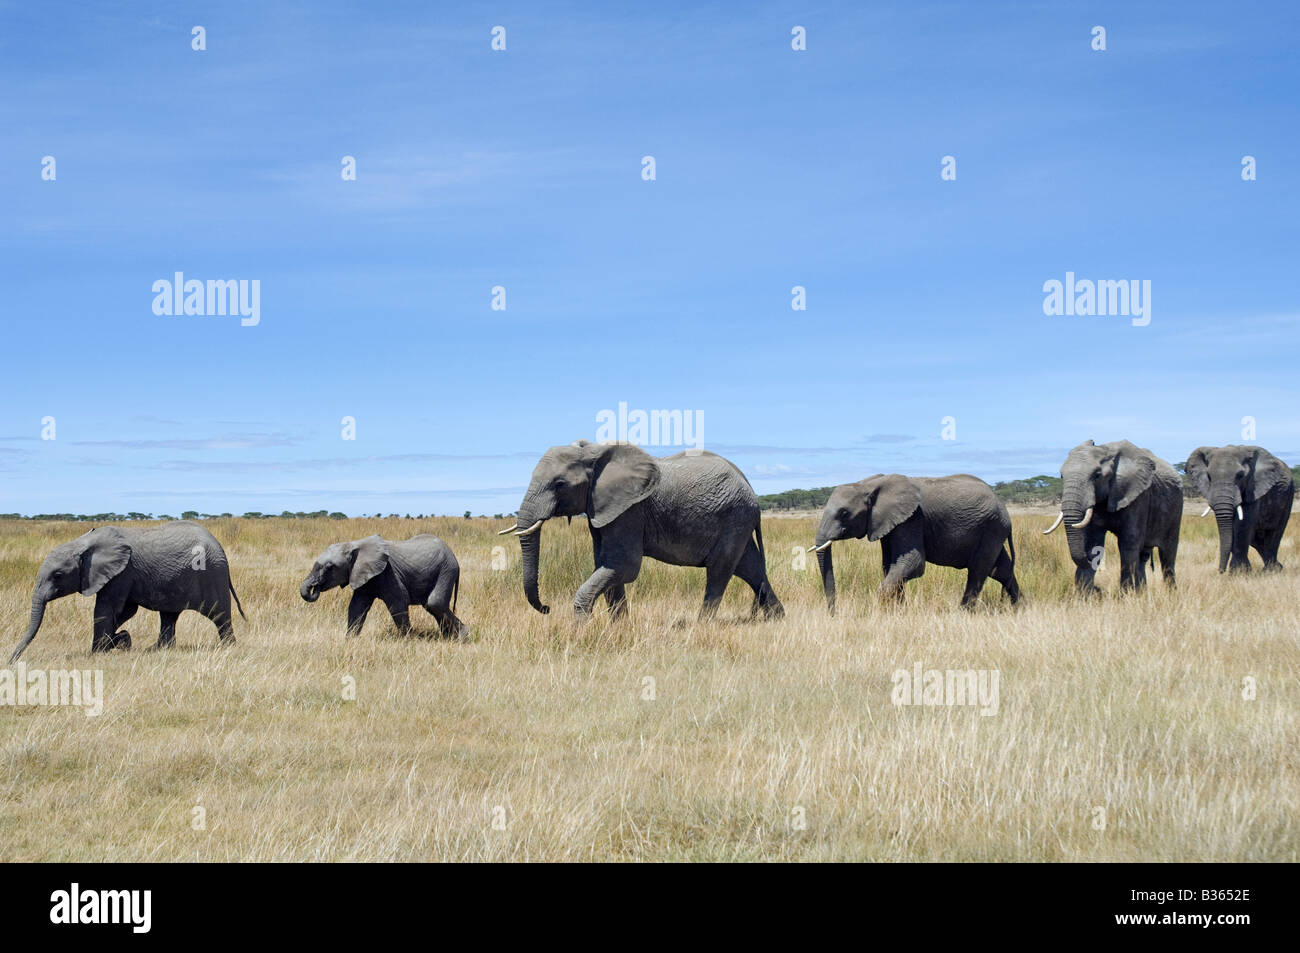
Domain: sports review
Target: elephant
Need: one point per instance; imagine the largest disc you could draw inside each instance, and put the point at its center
(168, 569)
(691, 509)
(421, 570)
(1250, 492)
(1125, 490)
(949, 521)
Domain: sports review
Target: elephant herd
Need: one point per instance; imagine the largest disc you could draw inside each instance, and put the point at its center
(697, 509)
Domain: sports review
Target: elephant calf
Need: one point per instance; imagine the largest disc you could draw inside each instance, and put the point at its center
(421, 570)
(1126, 490)
(1250, 492)
(953, 521)
(168, 569)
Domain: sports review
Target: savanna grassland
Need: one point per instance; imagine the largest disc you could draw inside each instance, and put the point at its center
(762, 740)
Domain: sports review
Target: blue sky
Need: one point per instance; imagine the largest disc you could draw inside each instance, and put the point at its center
(522, 168)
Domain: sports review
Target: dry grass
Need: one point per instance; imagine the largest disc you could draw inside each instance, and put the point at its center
(1132, 703)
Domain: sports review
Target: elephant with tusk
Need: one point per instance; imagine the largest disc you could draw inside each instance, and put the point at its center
(1256, 488)
(167, 569)
(421, 571)
(1125, 490)
(949, 521)
(691, 509)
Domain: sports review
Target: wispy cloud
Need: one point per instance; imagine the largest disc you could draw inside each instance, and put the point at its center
(224, 442)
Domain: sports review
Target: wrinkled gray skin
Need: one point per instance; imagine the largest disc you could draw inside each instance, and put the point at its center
(690, 509)
(1254, 480)
(949, 521)
(1125, 490)
(421, 571)
(126, 569)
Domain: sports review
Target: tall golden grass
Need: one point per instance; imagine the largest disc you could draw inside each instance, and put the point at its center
(660, 738)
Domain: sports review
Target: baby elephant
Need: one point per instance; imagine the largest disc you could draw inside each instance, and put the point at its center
(949, 521)
(421, 570)
(168, 569)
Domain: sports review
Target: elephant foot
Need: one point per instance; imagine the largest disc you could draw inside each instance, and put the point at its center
(161, 644)
(1274, 566)
(774, 611)
(118, 640)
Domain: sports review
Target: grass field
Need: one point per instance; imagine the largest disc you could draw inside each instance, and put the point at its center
(538, 740)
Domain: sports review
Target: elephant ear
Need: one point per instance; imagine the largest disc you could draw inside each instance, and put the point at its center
(893, 500)
(105, 555)
(1269, 473)
(624, 475)
(1198, 470)
(1134, 471)
(369, 559)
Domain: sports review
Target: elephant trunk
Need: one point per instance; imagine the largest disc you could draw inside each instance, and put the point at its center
(827, 567)
(530, 546)
(309, 590)
(1225, 515)
(39, 599)
(1074, 505)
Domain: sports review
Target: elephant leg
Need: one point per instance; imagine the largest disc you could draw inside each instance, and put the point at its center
(981, 566)
(122, 637)
(719, 566)
(1168, 554)
(616, 596)
(219, 615)
(1275, 535)
(1242, 532)
(752, 570)
(1094, 549)
(1267, 543)
(108, 611)
(1131, 562)
(399, 607)
(1005, 574)
(907, 564)
(439, 606)
(166, 629)
(597, 583)
(358, 607)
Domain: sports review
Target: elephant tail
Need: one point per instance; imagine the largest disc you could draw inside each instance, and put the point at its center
(238, 605)
(455, 591)
(758, 533)
(1011, 544)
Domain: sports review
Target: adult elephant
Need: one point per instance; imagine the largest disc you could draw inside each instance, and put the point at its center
(1125, 490)
(690, 509)
(949, 521)
(1250, 492)
(168, 569)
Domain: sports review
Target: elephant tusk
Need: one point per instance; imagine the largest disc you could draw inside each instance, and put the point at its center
(510, 530)
(1207, 511)
(1239, 516)
(818, 549)
(1059, 516)
(532, 529)
(1087, 518)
